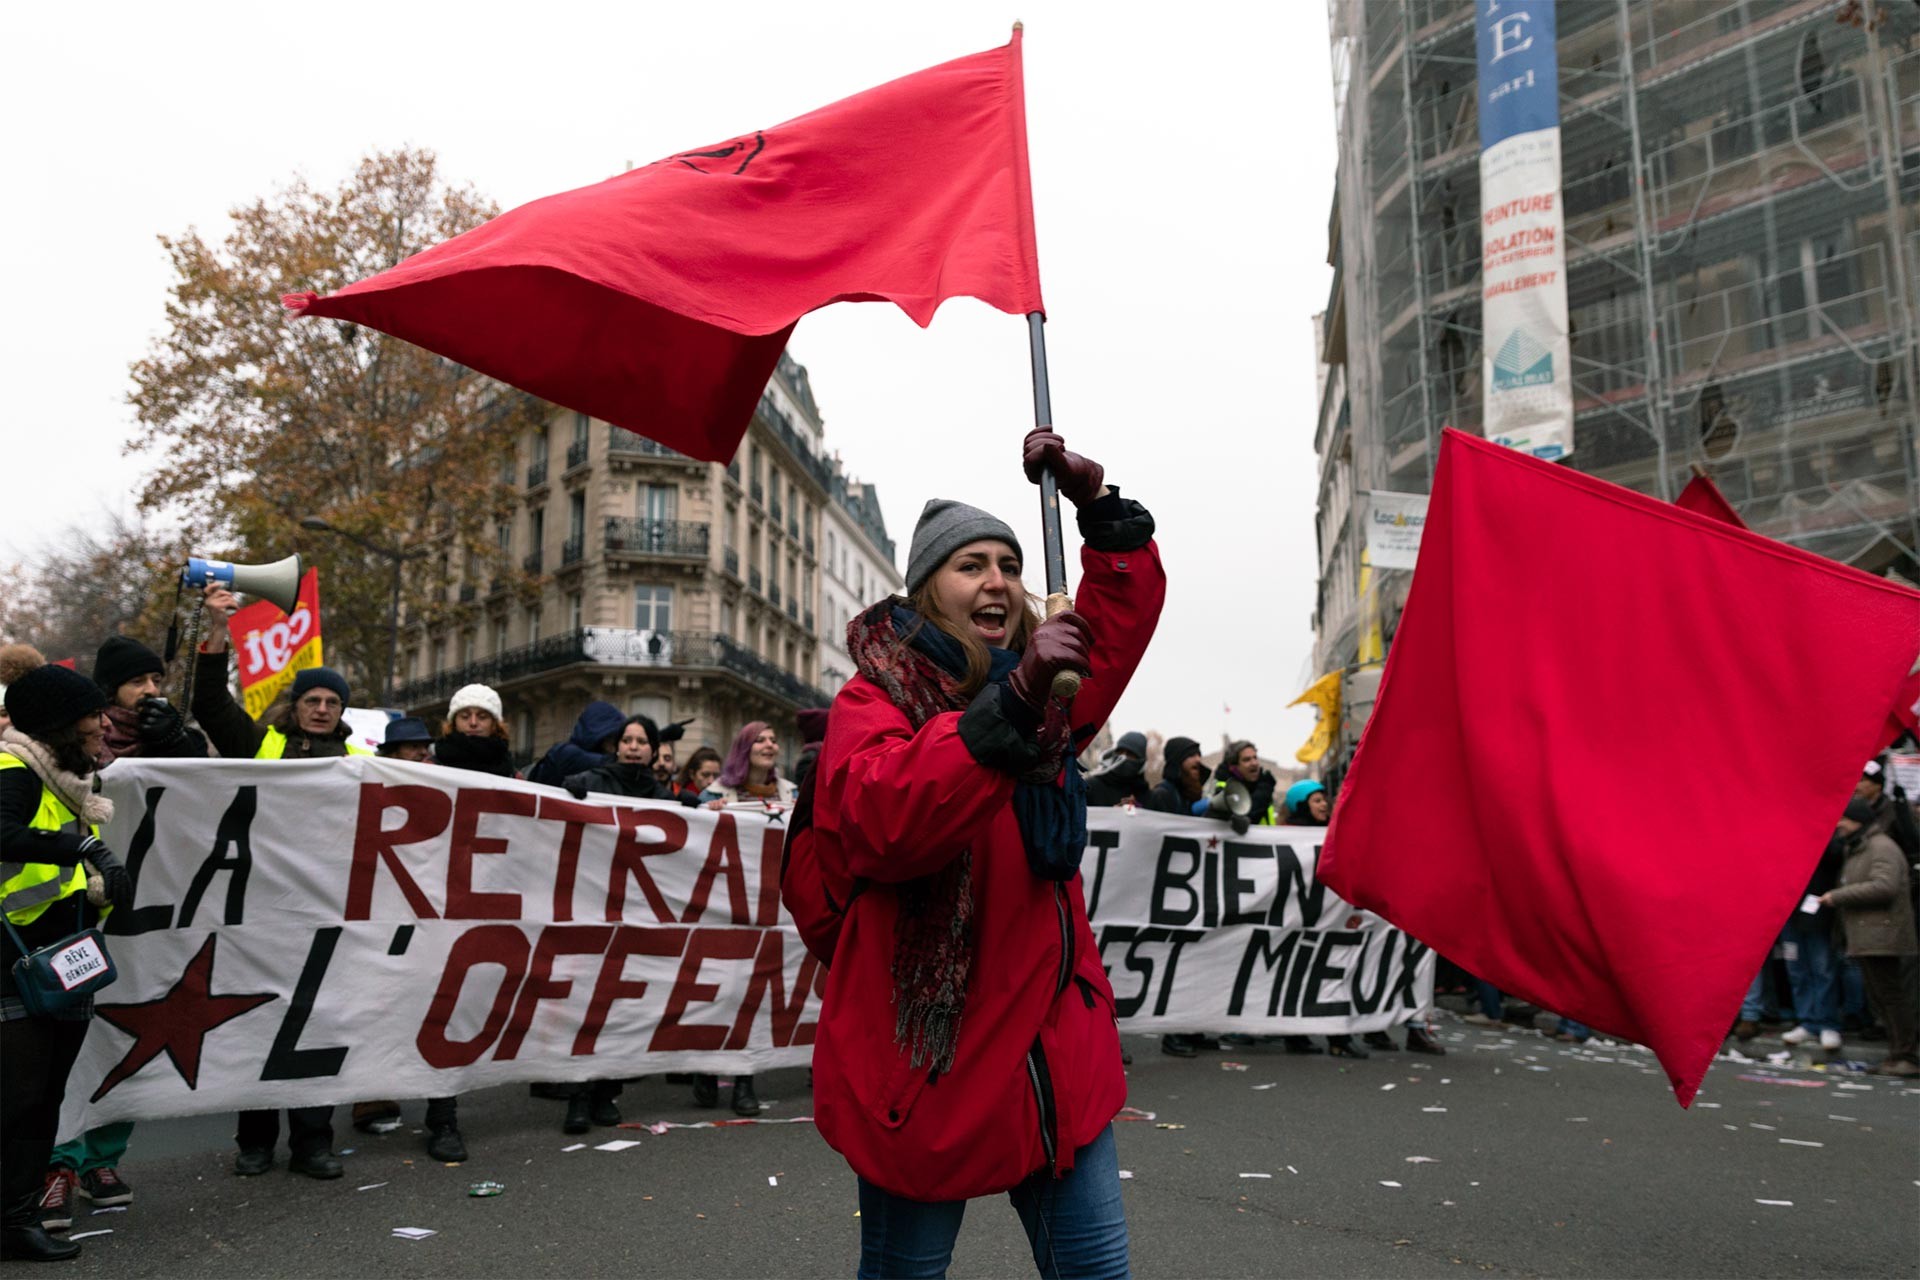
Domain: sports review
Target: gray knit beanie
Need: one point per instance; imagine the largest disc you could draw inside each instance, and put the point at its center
(945, 527)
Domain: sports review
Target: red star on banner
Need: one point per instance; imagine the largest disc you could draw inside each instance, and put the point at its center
(177, 1023)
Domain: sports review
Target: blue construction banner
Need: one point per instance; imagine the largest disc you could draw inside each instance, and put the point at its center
(1523, 270)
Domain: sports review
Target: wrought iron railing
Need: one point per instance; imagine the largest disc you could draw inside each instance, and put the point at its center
(636, 535)
(573, 550)
(576, 454)
(537, 474)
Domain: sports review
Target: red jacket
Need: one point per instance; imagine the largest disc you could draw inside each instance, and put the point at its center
(1036, 1071)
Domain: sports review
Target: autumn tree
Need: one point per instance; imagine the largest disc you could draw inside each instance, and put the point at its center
(257, 420)
(98, 580)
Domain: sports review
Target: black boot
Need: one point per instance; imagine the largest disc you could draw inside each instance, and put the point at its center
(1344, 1047)
(600, 1096)
(1301, 1045)
(579, 1112)
(745, 1101)
(1179, 1046)
(1420, 1040)
(22, 1238)
(1380, 1040)
(706, 1091)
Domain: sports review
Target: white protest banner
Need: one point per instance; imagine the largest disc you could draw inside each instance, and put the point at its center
(1523, 256)
(1904, 772)
(1205, 930)
(1394, 522)
(329, 931)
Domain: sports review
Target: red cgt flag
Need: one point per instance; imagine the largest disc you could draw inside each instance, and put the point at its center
(660, 300)
(1611, 742)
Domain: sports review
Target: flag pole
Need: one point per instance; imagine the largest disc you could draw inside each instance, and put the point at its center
(1066, 683)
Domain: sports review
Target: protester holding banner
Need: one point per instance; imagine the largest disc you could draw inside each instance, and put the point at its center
(310, 728)
(140, 722)
(408, 738)
(945, 785)
(701, 771)
(1242, 763)
(631, 773)
(595, 736)
(751, 773)
(1183, 778)
(58, 877)
(475, 735)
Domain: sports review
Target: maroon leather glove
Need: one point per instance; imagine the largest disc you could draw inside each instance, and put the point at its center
(1079, 478)
(1061, 643)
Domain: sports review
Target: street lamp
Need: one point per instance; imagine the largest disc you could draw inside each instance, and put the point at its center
(398, 559)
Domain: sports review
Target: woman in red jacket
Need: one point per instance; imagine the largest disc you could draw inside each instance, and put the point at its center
(967, 1043)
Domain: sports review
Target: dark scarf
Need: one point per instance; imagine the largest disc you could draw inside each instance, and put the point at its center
(933, 935)
(123, 736)
(480, 753)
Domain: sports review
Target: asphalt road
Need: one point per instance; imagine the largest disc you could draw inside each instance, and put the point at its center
(1513, 1155)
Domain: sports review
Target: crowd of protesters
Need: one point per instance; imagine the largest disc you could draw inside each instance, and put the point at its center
(60, 728)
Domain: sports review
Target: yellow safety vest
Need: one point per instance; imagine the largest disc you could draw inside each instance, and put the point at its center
(27, 889)
(274, 747)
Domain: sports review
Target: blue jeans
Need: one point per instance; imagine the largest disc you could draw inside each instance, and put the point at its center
(1813, 970)
(1578, 1030)
(1076, 1225)
(1489, 997)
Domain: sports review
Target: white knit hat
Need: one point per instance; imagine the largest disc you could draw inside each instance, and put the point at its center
(476, 695)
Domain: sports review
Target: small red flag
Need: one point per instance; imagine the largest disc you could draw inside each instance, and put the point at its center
(1610, 745)
(660, 300)
(1704, 496)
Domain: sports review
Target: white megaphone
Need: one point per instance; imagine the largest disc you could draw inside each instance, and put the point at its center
(1233, 802)
(278, 582)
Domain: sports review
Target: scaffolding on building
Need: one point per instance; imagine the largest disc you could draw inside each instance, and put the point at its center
(1740, 185)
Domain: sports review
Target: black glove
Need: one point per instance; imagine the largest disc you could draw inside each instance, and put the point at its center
(576, 787)
(675, 731)
(159, 724)
(113, 877)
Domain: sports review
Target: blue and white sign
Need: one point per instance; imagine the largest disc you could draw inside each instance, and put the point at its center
(1523, 267)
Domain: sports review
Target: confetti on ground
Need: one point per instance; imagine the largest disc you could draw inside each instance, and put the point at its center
(1857, 1088)
(1292, 1170)
(1797, 1084)
(772, 1181)
(118, 1208)
(1136, 1114)
(1233, 1066)
(482, 1190)
(658, 1127)
(1439, 1109)
(1801, 1142)
(1385, 1087)
(1784, 1204)
(1164, 1125)
(1421, 1160)
(1126, 1175)
(346, 1151)
(578, 1146)
(1576, 1119)
(618, 1144)
(1755, 1124)
(371, 1186)
(1389, 1184)
(1256, 1175)
(414, 1233)
(82, 1235)
(1708, 1106)
(1274, 1085)
(1733, 1128)
(1843, 1119)
(1539, 1068)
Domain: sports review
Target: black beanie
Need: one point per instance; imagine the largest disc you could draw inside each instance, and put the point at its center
(321, 678)
(121, 659)
(48, 699)
(1858, 810)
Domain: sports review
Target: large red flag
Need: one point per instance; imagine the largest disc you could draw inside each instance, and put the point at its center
(1611, 742)
(660, 300)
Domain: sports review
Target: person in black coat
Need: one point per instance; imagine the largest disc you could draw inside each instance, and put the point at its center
(1122, 775)
(1183, 778)
(592, 742)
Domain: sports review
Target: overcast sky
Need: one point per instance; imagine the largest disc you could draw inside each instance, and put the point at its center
(1182, 163)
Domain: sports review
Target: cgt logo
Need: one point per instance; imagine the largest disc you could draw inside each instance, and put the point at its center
(727, 158)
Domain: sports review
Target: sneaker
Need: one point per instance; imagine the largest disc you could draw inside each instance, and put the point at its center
(1799, 1035)
(1830, 1041)
(1745, 1030)
(56, 1200)
(106, 1188)
(1478, 1019)
(1421, 1040)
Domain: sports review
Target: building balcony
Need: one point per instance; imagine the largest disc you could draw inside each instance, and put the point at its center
(793, 609)
(627, 449)
(753, 579)
(733, 471)
(573, 550)
(773, 592)
(758, 491)
(731, 561)
(537, 474)
(619, 647)
(806, 541)
(773, 509)
(665, 539)
(793, 526)
(468, 591)
(809, 620)
(576, 454)
(533, 562)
